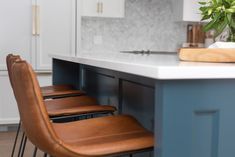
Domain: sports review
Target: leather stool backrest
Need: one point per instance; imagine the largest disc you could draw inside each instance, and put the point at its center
(33, 114)
(10, 59)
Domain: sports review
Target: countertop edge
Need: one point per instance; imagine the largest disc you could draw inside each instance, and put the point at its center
(157, 72)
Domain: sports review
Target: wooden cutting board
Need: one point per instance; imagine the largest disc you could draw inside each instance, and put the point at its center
(217, 55)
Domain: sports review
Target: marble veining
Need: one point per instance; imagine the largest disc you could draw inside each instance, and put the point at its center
(148, 24)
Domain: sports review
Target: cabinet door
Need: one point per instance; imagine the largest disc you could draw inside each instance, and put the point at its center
(55, 30)
(103, 8)
(90, 7)
(112, 8)
(15, 26)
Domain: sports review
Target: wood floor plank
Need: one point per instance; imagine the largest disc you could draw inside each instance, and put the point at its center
(6, 144)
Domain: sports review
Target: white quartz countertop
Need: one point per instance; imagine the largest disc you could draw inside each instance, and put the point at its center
(156, 66)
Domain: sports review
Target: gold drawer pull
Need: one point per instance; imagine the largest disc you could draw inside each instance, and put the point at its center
(35, 20)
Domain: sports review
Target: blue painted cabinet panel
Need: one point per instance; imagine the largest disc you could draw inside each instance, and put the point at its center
(66, 73)
(100, 85)
(134, 102)
(195, 118)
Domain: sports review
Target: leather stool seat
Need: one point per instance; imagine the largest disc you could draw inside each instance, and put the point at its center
(57, 91)
(76, 106)
(104, 136)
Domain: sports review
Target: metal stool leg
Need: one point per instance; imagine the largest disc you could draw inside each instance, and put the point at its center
(23, 148)
(21, 143)
(35, 152)
(16, 138)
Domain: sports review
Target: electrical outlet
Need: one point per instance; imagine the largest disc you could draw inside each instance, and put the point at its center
(98, 40)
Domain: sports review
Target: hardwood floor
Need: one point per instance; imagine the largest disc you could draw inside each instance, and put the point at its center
(6, 144)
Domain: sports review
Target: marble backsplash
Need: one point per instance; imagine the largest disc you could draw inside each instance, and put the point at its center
(148, 24)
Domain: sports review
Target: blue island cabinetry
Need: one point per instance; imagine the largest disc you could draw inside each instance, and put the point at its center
(190, 117)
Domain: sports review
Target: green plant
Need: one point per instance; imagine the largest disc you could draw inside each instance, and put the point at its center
(221, 15)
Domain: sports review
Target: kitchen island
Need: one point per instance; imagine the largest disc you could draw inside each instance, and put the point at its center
(189, 106)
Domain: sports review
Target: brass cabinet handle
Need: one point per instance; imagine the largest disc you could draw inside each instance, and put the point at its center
(35, 20)
(38, 20)
(101, 7)
(98, 7)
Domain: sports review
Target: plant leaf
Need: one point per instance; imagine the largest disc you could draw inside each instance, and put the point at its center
(233, 3)
(206, 17)
(209, 26)
(210, 11)
(202, 3)
(220, 27)
(230, 10)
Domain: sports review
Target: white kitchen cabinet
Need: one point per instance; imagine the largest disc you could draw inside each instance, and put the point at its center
(33, 29)
(103, 8)
(54, 30)
(187, 10)
(8, 108)
(36, 28)
(15, 29)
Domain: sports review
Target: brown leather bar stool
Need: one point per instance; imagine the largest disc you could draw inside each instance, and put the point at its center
(70, 107)
(73, 106)
(55, 91)
(60, 91)
(97, 137)
(64, 107)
